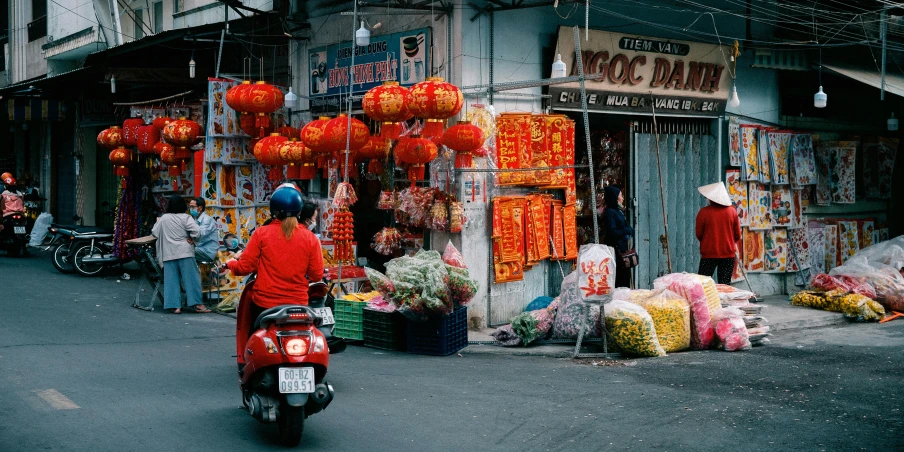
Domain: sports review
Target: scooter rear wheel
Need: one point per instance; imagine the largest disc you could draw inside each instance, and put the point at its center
(291, 424)
(60, 258)
(85, 268)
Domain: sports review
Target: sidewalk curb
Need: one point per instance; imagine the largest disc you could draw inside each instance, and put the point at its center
(825, 320)
(550, 351)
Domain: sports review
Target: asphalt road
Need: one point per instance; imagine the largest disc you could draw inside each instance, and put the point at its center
(82, 370)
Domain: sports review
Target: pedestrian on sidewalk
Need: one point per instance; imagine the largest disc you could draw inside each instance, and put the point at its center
(617, 231)
(719, 231)
(176, 233)
(209, 243)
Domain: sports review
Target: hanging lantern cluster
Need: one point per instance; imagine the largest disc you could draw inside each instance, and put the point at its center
(289, 132)
(266, 151)
(343, 233)
(417, 152)
(388, 104)
(255, 102)
(130, 130)
(148, 137)
(338, 135)
(434, 100)
(292, 153)
(120, 156)
(110, 138)
(377, 149)
(161, 121)
(464, 138)
(179, 134)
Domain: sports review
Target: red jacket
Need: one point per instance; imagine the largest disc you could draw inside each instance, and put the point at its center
(719, 231)
(281, 265)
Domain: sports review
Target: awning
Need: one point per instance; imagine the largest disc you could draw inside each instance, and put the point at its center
(894, 82)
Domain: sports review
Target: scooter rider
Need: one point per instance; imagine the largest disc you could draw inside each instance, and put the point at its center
(285, 255)
(10, 199)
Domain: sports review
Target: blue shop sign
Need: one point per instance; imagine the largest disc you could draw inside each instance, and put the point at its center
(403, 57)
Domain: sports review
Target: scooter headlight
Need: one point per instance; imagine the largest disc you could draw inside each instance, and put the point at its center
(296, 346)
(319, 344)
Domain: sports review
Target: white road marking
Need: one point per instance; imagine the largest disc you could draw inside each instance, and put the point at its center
(57, 400)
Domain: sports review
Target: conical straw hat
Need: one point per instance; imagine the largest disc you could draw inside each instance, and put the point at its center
(716, 193)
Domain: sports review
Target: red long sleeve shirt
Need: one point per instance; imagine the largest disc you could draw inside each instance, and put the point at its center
(719, 231)
(281, 265)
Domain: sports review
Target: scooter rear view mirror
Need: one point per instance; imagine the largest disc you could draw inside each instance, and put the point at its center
(231, 242)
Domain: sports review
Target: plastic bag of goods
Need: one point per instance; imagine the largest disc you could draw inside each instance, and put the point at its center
(380, 282)
(39, 229)
(632, 328)
(846, 283)
(533, 325)
(729, 325)
(380, 304)
(672, 317)
(889, 252)
(859, 308)
(421, 283)
(703, 303)
(570, 312)
(453, 257)
(730, 295)
(887, 282)
(506, 336)
(596, 271)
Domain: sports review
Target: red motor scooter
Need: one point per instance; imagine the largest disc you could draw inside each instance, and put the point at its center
(283, 358)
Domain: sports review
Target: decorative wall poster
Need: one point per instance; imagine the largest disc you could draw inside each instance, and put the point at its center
(817, 240)
(776, 246)
(737, 274)
(263, 187)
(247, 221)
(226, 220)
(805, 194)
(209, 189)
(878, 164)
(781, 206)
(754, 250)
(226, 185)
(844, 158)
(738, 192)
(763, 154)
(866, 228)
(848, 240)
(262, 214)
(222, 119)
(831, 246)
(244, 185)
(734, 141)
(797, 214)
(824, 182)
(803, 160)
(236, 151)
(760, 206)
(779, 144)
(213, 149)
(750, 168)
(800, 242)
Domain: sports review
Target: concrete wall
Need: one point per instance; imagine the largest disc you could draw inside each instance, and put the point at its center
(65, 17)
(23, 62)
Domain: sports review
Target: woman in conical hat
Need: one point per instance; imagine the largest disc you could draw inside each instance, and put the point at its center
(719, 231)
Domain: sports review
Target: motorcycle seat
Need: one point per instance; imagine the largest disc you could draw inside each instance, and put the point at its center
(82, 229)
(93, 235)
(257, 322)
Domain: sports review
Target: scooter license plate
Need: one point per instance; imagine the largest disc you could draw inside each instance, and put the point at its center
(295, 380)
(326, 314)
(19, 229)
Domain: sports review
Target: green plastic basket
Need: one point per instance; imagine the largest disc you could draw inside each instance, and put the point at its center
(349, 319)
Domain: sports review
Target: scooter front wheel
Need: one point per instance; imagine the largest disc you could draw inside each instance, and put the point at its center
(61, 260)
(291, 424)
(86, 268)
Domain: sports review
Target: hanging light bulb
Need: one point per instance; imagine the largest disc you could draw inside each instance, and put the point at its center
(558, 67)
(113, 84)
(191, 65)
(291, 99)
(362, 36)
(892, 123)
(735, 101)
(820, 98)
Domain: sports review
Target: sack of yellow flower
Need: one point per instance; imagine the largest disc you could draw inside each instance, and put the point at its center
(810, 298)
(672, 318)
(632, 328)
(860, 308)
(703, 299)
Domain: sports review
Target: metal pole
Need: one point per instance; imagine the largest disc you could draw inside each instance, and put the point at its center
(580, 63)
(665, 219)
(883, 30)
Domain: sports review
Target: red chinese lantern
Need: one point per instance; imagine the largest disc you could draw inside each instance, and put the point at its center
(288, 132)
(388, 104)
(464, 138)
(148, 136)
(182, 132)
(337, 136)
(110, 138)
(291, 153)
(235, 93)
(161, 121)
(312, 135)
(121, 157)
(169, 158)
(353, 158)
(130, 131)
(377, 149)
(434, 100)
(417, 152)
(262, 99)
(308, 170)
(162, 146)
(266, 151)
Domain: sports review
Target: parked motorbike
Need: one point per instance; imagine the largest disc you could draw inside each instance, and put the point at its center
(15, 234)
(61, 238)
(283, 357)
(92, 252)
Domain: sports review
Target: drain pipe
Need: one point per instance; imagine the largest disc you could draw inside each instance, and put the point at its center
(116, 22)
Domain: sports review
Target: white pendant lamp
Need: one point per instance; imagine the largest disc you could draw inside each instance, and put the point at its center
(820, 98)
(892, 123)
(558, 67)
(735, 101)
(362, 35)
(291, 99)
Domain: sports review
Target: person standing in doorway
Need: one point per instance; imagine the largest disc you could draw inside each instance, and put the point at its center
(617, 232)
(209, 242)
(719, 231)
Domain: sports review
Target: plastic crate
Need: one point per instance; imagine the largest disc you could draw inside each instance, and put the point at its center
(349, 319)
(385, 330)
(440, 337)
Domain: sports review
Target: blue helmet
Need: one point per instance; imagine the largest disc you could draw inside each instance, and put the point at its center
(286, 201)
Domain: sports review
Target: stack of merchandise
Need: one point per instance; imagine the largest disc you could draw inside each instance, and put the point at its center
(757, 325)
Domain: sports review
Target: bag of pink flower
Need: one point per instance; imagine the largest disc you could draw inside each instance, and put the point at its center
(731, 330)
(701, 294)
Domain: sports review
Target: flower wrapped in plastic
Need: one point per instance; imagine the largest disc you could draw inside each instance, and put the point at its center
(380, 304)
(632, 328)
(730, 327)
(438, 219)
(702, 303)
(462, 287)
(860, 308)
(887, 281)
(533, 325)
(847, 283)
(506, 337)
(453, 257)
(389, 200)
(456, 216)
(571, 312)
(387, 241)
(671, 316)
(380, 282)
(422, 280)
